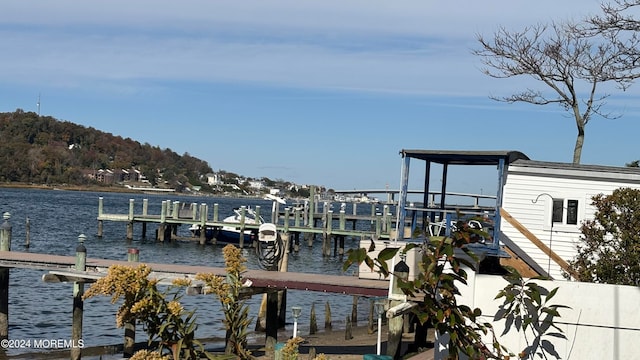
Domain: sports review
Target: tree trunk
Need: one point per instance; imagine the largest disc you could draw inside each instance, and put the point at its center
(577, 151)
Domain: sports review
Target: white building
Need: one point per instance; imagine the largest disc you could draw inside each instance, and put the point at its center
(552, 200)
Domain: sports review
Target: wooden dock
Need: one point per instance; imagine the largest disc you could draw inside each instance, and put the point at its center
(308, 220)
(261, 280)
(79, 270)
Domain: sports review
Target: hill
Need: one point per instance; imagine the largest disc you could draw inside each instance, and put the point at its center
(42, 150)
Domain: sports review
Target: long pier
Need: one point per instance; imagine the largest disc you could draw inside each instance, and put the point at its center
(63, 267)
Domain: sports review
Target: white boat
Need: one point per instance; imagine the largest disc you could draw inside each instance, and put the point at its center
(231, 233)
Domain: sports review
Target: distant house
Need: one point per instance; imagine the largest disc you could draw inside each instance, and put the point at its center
(105, 176)
(552, 200)
(256, 185)
(213, 179)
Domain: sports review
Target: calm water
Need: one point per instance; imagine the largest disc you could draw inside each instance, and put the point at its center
(39, 310)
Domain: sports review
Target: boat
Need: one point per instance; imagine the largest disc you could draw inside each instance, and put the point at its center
(230, 233)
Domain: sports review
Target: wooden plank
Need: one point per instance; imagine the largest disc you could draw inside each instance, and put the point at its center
(529, 235)
(517, 263)
(63, 266)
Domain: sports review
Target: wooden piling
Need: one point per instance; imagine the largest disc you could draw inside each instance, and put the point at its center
(370, 324)
(354, 310)
(203, 223)
(133, 255)
(130, 218)
(100, 211)
(348, 331)
(27, 233)
(78, 305)
(5, 245)
(396, 324)
(144, 230)
(313, 323)
(272, 320)
(296, 241)
(327, 316)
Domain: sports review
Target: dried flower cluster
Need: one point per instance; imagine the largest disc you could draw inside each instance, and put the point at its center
(126, 282)
(227, 289)
(290, 349)
(162, 315)
(149, 355)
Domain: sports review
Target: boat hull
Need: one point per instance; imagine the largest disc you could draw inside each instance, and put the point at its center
(226, 235)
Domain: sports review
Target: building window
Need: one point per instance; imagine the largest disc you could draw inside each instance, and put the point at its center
(572, 212)
(558, 213)
(556, 216)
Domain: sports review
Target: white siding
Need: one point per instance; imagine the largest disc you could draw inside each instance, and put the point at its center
(601, 321)
(520, 192)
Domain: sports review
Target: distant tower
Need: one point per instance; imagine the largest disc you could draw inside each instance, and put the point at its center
(38, 104)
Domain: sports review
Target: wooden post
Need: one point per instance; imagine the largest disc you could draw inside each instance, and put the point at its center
(348, 331)
(203, 223)
(282, 294)
(396, 324)
(326, 232)
(312, 202)
(145, 207)
(272, 320)
(5, 245)
(27, 233)
(144, 230)
(133, 255)
(130, 223)
(100, 210)
(296, 241)
(163, 219)
(354, 310)
(285, 224)
(327, 316)
(78, 306)
(313, 323)
(243, 210)
(371, 326)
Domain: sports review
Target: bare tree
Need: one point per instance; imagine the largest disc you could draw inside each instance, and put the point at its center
(569, 62)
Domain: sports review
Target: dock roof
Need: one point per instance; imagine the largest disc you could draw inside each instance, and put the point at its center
(464, 157)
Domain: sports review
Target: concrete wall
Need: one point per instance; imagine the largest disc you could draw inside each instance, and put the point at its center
(603, 321)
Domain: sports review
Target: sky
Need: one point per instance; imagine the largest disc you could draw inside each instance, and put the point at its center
(313, 92)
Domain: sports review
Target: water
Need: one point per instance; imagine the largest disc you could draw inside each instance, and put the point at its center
(39, 310)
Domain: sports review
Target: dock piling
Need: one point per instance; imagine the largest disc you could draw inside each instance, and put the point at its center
(27, 233)
(133, 255)
(396, 324)
(78, 305)
(5, 245)
(100, 212)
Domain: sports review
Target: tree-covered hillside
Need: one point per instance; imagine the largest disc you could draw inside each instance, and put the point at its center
(43, 150)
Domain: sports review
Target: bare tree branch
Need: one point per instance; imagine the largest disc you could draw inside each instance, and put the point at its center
(570, 60)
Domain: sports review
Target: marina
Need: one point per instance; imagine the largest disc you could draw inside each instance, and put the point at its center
(39, 309)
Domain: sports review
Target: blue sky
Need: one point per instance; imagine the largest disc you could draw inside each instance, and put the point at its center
(317, 92)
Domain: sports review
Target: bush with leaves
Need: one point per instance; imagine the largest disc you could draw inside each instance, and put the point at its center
(228, 291)
(441, 271)
(527, 307)
(164, 319)
(609, 249)
(441, 268)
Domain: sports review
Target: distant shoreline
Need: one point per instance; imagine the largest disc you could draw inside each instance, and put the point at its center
(17, 185)
(110, 189)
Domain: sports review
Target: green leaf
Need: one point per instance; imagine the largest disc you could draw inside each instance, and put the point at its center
(387, 254)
